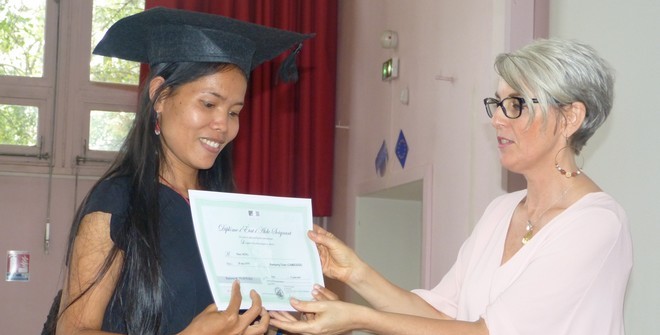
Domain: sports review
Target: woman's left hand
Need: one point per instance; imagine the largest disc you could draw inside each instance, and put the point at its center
(319, 293)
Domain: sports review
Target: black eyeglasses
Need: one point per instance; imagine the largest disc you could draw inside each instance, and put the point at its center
(511, 106)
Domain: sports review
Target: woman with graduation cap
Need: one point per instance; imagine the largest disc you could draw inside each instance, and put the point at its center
(133, 266)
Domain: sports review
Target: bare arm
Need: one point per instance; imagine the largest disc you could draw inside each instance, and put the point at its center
(91, 246)
(336, 317)
(340, 262)
(385, 296)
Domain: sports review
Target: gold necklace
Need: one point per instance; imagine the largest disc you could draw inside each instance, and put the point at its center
(529, 228)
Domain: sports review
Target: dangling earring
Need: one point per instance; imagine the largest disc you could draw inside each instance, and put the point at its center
(157, 127)
(561, 170)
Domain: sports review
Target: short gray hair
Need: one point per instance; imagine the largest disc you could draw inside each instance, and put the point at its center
(559, 72)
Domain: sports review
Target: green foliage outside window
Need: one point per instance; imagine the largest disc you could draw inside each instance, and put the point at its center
(107, 130)
(106, 69)
(22, 31)
(18, 125)
(22, 26)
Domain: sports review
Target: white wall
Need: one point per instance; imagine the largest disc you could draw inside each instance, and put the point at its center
(447, 130)
(624, 156)
(23, 199)
(388, 233)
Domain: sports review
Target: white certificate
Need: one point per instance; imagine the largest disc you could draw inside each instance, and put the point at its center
(259, 240)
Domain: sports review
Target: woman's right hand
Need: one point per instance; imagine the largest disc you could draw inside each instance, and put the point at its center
(338, 261)
(229, 321)
(331, 317)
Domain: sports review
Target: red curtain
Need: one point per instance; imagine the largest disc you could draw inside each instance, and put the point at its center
(285, 146)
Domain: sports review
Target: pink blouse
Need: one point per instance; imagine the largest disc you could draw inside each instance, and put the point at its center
(569, 279)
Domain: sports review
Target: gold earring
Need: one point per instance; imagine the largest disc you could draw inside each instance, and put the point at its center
(157, 127)
(561, 170)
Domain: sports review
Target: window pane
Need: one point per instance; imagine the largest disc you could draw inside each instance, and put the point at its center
(18, 125)
(108, 129)
(107, 69)
(22, 29)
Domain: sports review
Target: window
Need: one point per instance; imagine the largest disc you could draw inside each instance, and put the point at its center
(105, 69)
(22, 28)
(24, 86)
(18, 125)
(59, 105)
(107, 129)
(109, 117)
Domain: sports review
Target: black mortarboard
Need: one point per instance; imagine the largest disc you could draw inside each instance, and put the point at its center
(163, 35)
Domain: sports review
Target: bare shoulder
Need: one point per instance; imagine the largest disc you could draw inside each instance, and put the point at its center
(95, 225)
(88, 287)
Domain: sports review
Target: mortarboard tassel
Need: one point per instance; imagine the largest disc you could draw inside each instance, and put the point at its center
(288, 71)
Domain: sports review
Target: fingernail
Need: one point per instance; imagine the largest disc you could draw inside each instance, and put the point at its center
(315, 292)
(294, 300)
(317, 286)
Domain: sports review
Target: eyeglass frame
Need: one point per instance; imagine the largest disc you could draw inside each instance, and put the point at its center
(500, 104)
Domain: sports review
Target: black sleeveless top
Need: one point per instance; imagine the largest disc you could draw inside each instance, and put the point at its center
(186, 291)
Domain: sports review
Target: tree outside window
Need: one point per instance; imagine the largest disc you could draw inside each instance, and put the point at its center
(22, 40)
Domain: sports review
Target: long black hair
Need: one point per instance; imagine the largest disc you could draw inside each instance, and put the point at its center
(140, 160)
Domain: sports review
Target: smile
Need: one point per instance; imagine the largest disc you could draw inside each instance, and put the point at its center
(210, 143)
(502, 140)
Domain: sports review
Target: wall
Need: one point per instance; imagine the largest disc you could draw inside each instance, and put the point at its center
(624, 156)
(445, 52)
(23, 214)
(388, 232)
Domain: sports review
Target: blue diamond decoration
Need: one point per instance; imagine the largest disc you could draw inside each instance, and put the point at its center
(381, 160)
(401, 149)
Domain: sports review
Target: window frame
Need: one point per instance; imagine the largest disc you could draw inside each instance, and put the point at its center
(89, 156)
(39, 150)
(65, 97)
(38, 92)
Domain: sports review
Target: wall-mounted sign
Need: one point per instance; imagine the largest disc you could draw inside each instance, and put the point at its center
(401, 149)
(381, 160)
(18, 266)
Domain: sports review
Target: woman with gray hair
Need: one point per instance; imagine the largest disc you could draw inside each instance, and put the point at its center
(551, 259)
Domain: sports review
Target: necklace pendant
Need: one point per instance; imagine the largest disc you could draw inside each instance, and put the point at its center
(530, 232)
